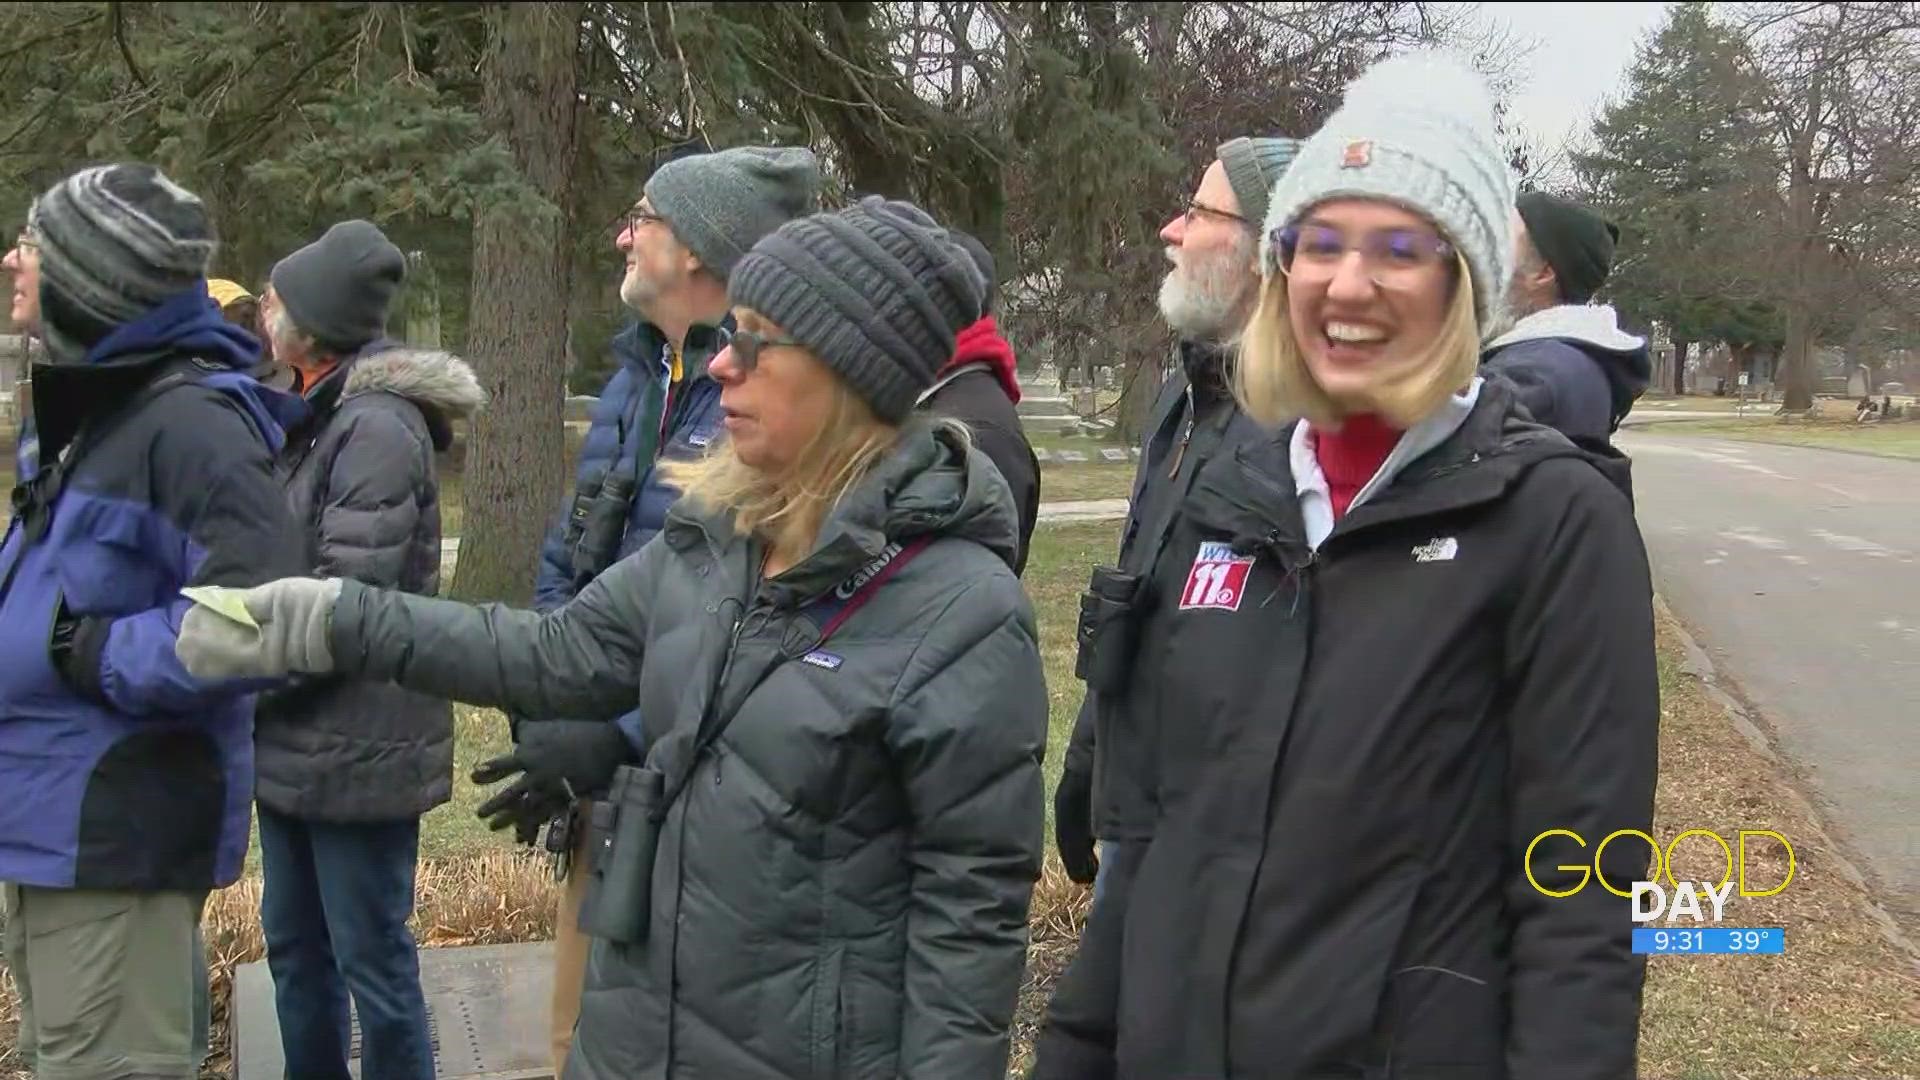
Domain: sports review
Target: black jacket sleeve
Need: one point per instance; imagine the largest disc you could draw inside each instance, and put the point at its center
(1009, 452)
(1583, 723)
(1079, 757)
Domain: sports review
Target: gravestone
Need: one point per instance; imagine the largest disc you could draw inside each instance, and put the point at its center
(1113, 453)
(1042, 454)
(1859, 383)
(1073, 457)
(487, 1009)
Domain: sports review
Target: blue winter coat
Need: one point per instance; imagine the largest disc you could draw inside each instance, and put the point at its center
(1572, 368)
(628, 426)
(120, 770)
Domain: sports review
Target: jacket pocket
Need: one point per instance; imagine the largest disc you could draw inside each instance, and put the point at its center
(828, 1010)
(152, 814)
(1443, 1024)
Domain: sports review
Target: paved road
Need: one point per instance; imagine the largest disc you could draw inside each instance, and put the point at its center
(1800, 569)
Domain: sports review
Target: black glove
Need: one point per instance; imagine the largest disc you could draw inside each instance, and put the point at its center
(1073, 825)
(559, 761)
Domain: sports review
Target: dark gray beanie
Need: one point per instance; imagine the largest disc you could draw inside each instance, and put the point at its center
(877, 291)
(340, 287)
(719, 205)
(115, 241)
(1253, 167)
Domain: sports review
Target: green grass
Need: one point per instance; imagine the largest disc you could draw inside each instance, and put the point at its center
(1894, 439)
(1074, 483)
(1057, 567)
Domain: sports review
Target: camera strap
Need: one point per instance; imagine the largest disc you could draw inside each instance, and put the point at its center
(828, 612)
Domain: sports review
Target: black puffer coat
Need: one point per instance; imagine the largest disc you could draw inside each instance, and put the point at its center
(361, 482)
(1376, 730)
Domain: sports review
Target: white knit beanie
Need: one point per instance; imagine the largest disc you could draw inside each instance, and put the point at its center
(1417, 130)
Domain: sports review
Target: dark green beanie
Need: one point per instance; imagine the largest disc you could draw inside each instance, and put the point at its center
(1574, 240)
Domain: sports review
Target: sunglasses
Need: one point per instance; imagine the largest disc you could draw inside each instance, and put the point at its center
(746, 347)
(1390, 256)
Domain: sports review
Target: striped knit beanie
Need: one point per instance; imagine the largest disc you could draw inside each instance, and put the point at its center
(877, 291)
(115, 241)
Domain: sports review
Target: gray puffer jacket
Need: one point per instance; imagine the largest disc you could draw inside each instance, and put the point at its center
(361, 482)
(841, 892)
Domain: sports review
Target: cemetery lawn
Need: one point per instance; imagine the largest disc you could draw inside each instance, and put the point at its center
(1894, 438)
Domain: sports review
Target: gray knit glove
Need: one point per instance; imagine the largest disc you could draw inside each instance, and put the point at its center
(294, 617)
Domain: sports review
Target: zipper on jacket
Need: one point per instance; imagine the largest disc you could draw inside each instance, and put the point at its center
(1186, 434)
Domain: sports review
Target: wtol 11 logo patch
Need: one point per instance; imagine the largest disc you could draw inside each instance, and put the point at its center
(1700, 904)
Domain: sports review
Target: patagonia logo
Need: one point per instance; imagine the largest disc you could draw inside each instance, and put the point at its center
(823, 659)
(867, 573)
(1438, 549)
(701, 439)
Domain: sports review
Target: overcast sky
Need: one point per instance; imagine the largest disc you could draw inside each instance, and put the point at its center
(1582, 55)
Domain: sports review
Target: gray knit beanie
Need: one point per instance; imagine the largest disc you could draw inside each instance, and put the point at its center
(115, 241)
(877, 291)
(340, 287)
(1253, 167)
(719, 205)
(1416, 130)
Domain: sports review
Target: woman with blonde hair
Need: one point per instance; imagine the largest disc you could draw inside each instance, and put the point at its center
(823, 866)
(1422, 637)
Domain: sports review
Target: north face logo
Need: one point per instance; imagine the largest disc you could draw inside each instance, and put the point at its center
(1438, 549)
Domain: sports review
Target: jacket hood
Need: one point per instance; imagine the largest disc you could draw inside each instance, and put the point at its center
(933, 481)
(1594, 329)
(187, 323)
(426, 377)
(184, 328)
(441, 385)
(983, 343)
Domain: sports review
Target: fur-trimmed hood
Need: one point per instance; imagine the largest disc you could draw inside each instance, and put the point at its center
(441, 385)
(427, 377)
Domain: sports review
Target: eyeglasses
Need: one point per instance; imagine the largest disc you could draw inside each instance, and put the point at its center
(1198, 207)
(636, 217)
(746, 347)
(1392, 257)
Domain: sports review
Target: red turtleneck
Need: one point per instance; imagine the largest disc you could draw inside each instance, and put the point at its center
(1349, 457)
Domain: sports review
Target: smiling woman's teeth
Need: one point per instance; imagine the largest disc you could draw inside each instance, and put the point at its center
(1350, 332)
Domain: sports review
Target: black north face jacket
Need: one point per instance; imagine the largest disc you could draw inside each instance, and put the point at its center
(1377, 730)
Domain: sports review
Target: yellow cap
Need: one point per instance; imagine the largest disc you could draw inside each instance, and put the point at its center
(225, 292)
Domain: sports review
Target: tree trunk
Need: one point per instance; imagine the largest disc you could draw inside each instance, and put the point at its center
(1798, 357)
(516, 336)
(1680, 347)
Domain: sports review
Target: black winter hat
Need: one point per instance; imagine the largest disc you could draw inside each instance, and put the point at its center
(1574, 240)
(340, 287)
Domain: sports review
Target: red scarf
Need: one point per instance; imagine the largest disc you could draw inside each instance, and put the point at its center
(1349, 457)
(982, 342)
